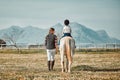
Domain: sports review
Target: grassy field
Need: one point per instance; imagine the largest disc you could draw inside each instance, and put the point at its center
(86, 66)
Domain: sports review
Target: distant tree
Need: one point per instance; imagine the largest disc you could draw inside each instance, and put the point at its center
(12, 37)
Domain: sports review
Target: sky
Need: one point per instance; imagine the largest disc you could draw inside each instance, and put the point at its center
(94, 14)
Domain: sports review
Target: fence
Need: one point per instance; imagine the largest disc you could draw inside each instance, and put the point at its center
(100, 46)
(21, 46)
(81, 46)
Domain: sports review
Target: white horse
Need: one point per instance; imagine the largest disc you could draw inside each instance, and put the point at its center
(67, 46)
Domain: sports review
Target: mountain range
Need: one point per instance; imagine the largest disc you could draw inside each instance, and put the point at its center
(34, 35)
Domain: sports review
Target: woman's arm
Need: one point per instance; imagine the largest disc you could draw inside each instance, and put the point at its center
(56, 44)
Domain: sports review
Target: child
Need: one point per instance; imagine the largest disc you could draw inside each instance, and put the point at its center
(66, 30)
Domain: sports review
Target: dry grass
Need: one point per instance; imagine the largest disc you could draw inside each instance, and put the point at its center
(104, 66)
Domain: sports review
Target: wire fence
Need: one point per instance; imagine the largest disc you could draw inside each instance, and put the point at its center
(100, 46)
(80, 47)
(21, 46)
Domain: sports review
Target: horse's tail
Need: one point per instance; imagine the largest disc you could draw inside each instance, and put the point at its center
(68, 49)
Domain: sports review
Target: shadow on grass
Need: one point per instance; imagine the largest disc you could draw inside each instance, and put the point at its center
(89, 68)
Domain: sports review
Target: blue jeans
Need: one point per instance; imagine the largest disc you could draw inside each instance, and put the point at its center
(65, 34)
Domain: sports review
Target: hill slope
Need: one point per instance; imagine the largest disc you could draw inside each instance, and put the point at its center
(33, 35)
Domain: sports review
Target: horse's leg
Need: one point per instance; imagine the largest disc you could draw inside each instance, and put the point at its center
(62, 64)
(69, 66)
(63, 70)
(66, 64)
(72, 53)
(62, 59)
(69, 62)
(71, 57)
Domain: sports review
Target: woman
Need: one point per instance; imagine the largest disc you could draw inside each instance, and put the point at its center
(51, 45)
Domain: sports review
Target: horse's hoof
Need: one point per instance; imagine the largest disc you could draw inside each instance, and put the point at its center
(69, 71)
(63, 70)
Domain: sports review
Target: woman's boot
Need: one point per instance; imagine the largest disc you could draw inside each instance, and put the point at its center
(52, 64)
(49, 65)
